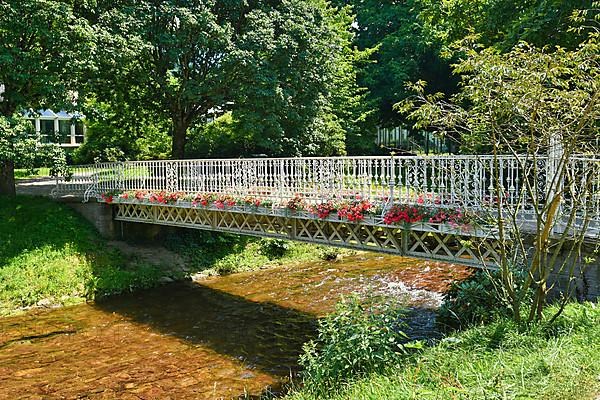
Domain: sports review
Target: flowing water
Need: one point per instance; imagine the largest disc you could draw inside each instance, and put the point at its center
(223, 337)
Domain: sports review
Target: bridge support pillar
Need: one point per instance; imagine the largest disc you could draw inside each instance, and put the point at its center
(100, 215)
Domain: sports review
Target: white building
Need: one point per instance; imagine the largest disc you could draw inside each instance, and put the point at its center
(68, 128)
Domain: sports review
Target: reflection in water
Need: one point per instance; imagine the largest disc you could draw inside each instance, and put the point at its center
(220, 338)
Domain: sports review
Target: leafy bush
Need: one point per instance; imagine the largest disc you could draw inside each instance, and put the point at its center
(219, 138)
(354, 341)
(328, 253)
(274, 248)
(116, 132)
(112, 280)
(476, 300)
(500, 360)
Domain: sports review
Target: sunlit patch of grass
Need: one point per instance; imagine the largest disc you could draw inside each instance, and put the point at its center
(50, 255)
(497, 361)
(23, 173)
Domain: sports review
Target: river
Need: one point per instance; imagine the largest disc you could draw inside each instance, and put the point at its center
(236, 336)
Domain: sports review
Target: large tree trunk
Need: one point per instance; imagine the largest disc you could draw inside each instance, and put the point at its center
(7, 178)
(180, 127)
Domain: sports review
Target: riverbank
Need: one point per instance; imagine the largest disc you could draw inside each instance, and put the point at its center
(50, 256)
(495, 361)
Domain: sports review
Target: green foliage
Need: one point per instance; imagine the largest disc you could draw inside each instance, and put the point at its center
(220, 253)
(495, 361)
(503, 23)
(475, 301)
(222, 137)
(49, 254)
(115, 280)
(526, 102)
(45, 47)
(28, 173)
(18, 142)
(401, 52)
(518, 99)
(274, 248)
(299, 95)
(354, 341)
(178, 61)
(329, 253)
(118, 132)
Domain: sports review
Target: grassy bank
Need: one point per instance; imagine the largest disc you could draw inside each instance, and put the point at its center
(496, 362)
(213, 253)
(50, 255)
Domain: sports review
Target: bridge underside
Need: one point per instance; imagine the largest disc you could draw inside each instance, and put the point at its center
(430, 241)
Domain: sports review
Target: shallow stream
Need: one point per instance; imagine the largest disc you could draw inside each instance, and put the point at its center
(223, 337)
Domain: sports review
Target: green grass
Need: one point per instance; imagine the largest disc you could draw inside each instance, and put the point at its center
(22, 173)
(497, 362)
(49, 253)
(214, 253)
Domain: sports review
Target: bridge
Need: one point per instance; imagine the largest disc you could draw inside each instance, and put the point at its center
(438, 208)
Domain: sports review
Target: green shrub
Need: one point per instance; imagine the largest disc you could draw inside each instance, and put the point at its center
(328, 253)
(476, 300)
(499, 360)
(274, 248)
(354, 341)
(112, 280)
(473, 301)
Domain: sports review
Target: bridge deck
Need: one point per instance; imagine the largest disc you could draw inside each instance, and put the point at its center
(481, 186)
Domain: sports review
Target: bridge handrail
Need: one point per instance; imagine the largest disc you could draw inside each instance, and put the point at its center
(466, 181)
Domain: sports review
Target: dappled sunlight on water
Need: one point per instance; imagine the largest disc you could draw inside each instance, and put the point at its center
(222, 337)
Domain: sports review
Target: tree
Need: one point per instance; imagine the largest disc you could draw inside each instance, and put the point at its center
(184, 66)
(299, 95)
(275, 63)
(401, 52)
(542, 108)
(502, 23)
(43, 45)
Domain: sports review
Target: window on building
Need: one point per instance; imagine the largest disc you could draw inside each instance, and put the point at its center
(64, 129)
(47, 130)
(79, 132)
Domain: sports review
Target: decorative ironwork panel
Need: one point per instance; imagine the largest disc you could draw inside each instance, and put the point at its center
(422, 241)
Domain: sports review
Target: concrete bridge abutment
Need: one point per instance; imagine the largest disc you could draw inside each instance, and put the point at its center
(101, 215)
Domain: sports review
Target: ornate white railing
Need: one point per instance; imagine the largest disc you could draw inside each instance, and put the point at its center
(469, 182)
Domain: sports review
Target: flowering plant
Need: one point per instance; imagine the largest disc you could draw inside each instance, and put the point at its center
(254, 202)
(323, 210)
(296, 203)
(428, 198)
(164, 197)
(223, 201)
(140, 195)
(354, 211)
(454, 218)
(204, 199)
(108, 197)
(404, 213)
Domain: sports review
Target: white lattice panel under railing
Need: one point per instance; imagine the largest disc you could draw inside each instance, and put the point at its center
(415, 241)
